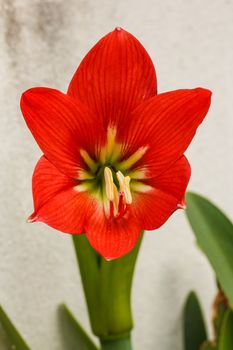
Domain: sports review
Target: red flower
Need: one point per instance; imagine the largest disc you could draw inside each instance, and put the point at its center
(113, 161)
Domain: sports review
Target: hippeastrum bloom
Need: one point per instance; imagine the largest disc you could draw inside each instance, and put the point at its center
(113, 162)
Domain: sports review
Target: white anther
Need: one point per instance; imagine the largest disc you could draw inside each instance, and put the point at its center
(121, 180)
(124, 182)
(128, 195)
(109, 184)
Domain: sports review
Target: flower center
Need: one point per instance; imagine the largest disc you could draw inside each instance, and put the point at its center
(111, 179)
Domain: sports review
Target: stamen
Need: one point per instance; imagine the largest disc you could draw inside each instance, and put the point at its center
(109, 184)
(124, 186)
(126, 164)
(128, 195)
(104, 178)
(121, 180)
(88, 160)
(111, 206)
(116, 200)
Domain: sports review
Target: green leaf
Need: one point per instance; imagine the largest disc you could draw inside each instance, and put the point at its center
(5, 343)
(226, 334)
(214, 234)
(73, 335)
(10, 336)
(194, 325)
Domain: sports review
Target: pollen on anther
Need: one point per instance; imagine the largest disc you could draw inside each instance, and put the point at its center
(124, 186)
(109, 184)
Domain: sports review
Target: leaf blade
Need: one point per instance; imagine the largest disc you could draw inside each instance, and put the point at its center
(194, 325)
(11, 332)
(214, 234)
(74, 336)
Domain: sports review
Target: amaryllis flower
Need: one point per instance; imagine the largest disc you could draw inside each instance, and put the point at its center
(113, 162)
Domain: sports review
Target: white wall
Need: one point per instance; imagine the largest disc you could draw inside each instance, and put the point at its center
(41, 43)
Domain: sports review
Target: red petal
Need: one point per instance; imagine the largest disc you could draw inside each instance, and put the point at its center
(56, 202)
(112, 238)
(174, 181)
(166, 124)
(115, 76)
(154, 207)
(61, 126)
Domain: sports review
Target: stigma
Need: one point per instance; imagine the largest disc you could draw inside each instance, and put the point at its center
(118, 198)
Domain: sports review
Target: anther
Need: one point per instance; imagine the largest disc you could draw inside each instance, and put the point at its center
(109, 184)
(120, 178)
(128, 195)
(124, 186)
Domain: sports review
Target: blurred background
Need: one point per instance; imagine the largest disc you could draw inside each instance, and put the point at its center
(41, 44)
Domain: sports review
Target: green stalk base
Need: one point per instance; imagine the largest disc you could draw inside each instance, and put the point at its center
(117, 344)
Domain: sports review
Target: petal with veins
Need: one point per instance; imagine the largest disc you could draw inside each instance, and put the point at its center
(61, 126)
(112, 238)
(115, 76)
(166, 124)
(56, 202)
(154, 207)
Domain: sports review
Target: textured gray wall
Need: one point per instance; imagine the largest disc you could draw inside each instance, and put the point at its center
(41, 43)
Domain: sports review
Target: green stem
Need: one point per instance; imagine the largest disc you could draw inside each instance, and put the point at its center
(118, 344)
(107, 286)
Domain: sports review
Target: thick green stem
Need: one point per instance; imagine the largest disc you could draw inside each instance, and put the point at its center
(118, 344)
(107, 286)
